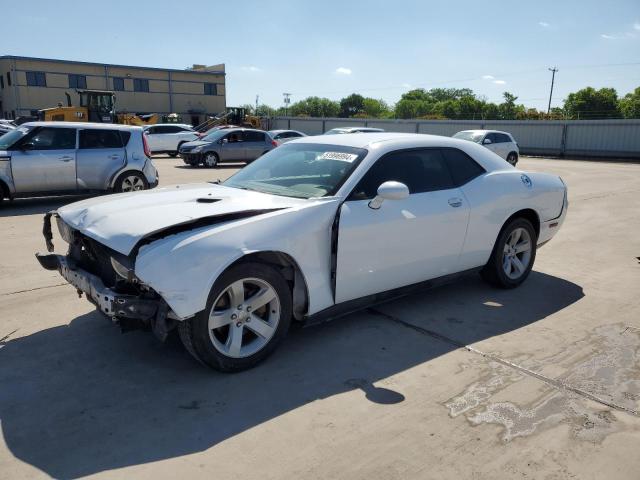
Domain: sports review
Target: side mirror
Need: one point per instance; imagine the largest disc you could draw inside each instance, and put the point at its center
(389, 191)
(223, 141)
(27, 146)
(486, 141)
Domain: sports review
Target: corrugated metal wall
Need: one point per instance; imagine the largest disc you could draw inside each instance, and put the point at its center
(596, 138)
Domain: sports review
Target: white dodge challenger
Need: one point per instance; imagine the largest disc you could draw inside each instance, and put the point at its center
(316, 228)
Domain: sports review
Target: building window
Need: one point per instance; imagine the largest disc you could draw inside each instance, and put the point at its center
(210, 89)
(118, 84)
(77, 81)
(1, 82)
(140, 85)
(9, 78)
(36, 79)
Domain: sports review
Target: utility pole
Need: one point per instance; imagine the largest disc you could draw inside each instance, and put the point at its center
(256, 110)
(287, 101)
(553, 77)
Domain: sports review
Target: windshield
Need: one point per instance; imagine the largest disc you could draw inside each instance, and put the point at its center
(12, 136)
(471, 136)
(302, 170)
(215, 136)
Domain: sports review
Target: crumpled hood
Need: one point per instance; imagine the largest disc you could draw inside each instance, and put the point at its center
(120, 221)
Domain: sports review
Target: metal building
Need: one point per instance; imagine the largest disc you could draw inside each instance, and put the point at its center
(30, 84)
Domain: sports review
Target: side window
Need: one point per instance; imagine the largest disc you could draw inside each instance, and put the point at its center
(492, 137)
(118, 84)
(125, 136)
(151, 130)
(53, 139)
(252, 136)
(161, 129)
(420, 170)
(36, 79)
(172, 129)
(463, 168)
(504, 138)
(77, 81)
(234, 137)
(140, 85)
(100, 139)
(2, 83)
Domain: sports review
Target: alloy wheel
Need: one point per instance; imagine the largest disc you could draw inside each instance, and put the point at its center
(132, 183)
(244, 317)
(517, 253)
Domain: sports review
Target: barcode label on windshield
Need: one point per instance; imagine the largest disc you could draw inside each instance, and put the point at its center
(343, 157)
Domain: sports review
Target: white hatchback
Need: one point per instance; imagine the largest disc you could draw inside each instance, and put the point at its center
(501, 143)
(167, 137)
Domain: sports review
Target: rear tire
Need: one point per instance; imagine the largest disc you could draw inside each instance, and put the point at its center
(512, 158)
(513, 255)
(228, 335)
(130, 182)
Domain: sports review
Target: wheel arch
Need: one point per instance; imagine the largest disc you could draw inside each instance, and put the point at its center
(291, 272)
(528, 214)
(5, 192)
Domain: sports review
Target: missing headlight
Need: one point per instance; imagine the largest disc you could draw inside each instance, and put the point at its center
(66, 232)
(122, 270)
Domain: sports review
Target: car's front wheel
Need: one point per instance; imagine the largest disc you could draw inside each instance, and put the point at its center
(247, 315)
(210, 160)
(513, 255)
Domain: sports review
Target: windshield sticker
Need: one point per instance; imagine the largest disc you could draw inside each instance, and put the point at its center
(343, 157)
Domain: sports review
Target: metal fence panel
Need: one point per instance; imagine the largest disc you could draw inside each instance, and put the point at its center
(597, 138)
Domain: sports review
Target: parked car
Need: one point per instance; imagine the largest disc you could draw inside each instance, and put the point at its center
(311, 230)
(342, 130)
(228, 145)
(284, 136)
(44, 158)
(501, 143)
(167, 137)
(5, 127)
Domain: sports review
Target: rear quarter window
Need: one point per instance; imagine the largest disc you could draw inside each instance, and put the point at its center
(100, 139)
(253, 137)
(463, 168)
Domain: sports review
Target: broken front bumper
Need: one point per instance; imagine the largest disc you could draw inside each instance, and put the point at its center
(113, 304)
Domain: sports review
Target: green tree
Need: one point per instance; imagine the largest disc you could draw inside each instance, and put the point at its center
(375, 108)
(265, 111)
(630, 104)
(592, 104)
(351, 105)
(315, 107)
(508, 109)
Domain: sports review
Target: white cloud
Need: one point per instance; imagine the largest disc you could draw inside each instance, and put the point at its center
(406, 85)
(488, 77)
(343, 71)
(636, 26)
(499, 82)
(608, 37)
(544, 24)
(251, 68)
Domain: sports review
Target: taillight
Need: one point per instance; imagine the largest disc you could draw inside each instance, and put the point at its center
(274, 143)
(145, 146)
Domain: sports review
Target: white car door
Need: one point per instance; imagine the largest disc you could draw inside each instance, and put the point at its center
(153, 139)
(490, 141)
(404, 241)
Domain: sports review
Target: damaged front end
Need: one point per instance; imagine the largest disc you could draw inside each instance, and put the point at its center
(107, 279)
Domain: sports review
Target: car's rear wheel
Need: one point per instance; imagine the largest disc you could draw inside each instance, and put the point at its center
(513, 255)
(512, 158)
(131, 182)
(211, 160)
(247, 315)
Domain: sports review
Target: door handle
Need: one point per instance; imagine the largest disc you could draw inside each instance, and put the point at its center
(114, 157)
(66, 159)
(455, 202)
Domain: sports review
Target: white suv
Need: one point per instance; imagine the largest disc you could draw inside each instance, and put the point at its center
(167, 137)
(501, 143)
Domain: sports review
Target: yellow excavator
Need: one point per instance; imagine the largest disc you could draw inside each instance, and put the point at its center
(236, 116)
(99, 106)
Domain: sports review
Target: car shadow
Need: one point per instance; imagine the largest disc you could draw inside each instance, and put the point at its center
(219, 166)
(35, 205)
(79, 399)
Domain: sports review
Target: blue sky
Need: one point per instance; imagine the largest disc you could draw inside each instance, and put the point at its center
(333, 48)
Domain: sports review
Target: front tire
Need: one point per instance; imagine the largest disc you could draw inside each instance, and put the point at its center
(130, 182)
(513, 255)
(248, 313)
(211, 160)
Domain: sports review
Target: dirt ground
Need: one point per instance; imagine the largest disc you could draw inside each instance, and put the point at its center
(464, 381)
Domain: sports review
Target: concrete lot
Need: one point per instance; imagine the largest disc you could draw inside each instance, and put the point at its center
(464, 381)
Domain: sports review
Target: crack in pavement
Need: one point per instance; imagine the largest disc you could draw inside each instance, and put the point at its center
(32, 289)
(549, 381)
